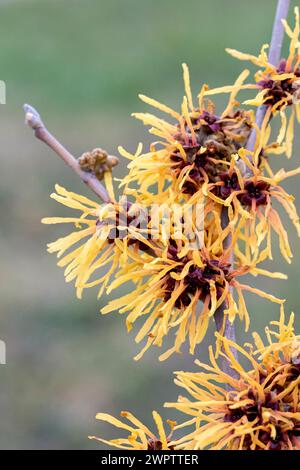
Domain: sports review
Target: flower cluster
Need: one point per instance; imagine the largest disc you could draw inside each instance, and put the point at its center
(219, 163)
(170, 278)
(257, 410)
(278, 86)
(202, 157)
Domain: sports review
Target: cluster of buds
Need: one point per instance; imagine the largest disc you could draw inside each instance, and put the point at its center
(98, 162)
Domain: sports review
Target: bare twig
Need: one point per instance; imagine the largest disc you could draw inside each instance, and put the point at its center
(33, 120)
(229, 330)
(278, 31)
(274, 57)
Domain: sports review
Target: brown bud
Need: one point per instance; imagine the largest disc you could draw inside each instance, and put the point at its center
(100, 155)
(112, 161)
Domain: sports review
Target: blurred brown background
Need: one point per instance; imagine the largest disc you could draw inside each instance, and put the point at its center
(82, 63)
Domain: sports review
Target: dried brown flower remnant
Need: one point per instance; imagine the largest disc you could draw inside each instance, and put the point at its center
(98, 162)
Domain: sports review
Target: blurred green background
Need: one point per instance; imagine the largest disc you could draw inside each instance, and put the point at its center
(82, 63)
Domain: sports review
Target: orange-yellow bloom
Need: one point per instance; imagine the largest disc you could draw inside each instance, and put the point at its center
(251, 199)
(258, 408)
(100, 240)
(169, 289)
(279, 86)
(139, 436)
(191, 151)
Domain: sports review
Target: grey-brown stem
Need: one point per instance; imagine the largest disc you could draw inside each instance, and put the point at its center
(229, 329)
(33, 120)
(274, 58)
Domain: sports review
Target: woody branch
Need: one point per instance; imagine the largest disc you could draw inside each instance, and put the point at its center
(274, 58)
(33, 120)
